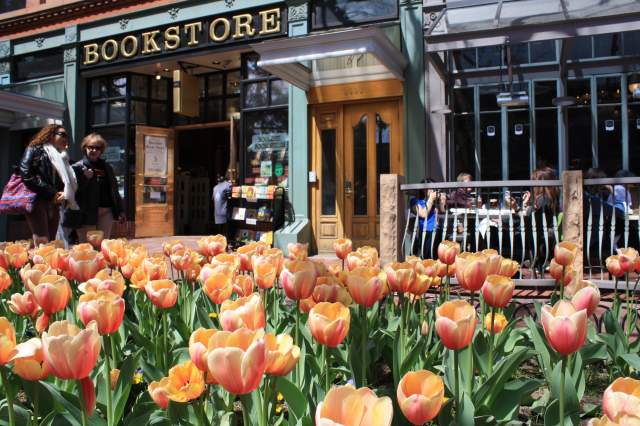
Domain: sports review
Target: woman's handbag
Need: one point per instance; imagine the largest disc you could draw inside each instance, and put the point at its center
(16, 197)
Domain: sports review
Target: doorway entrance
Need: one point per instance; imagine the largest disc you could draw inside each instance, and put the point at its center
(351, 146)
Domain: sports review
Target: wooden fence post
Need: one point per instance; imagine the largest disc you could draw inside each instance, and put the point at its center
(391, 218)
(572, 221)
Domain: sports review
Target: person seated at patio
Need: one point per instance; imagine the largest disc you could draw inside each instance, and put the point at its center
(545, 198)
(621, 197)
(464, 197)
(425, 207)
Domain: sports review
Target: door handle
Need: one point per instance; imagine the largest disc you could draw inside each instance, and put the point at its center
(348, 188)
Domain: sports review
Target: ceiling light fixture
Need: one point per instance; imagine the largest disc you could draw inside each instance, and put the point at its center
(158, 76)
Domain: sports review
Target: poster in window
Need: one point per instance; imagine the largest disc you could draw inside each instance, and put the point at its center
(266, 168)
(155, 156)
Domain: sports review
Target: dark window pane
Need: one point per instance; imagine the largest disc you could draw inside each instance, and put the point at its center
(609, 139)
(99, 113)
(520, 53)
(545, 92)
(634, 139)
(383, 162)
(580, 157)
(233, 107)
(99, 88)
(488, 100)
(332, 13)
(519, 131)
(490, 147)
(115, 153)
(581, 48)
(547, 138)
(252, 70)
(633, 85)
(360, 167)
(632, 43)
(41, 64)
(489, 56)
(117, 111)
(464, 59)
(266, 139)
(463, 99)
(255, 94)
(463, 144)
(542, 51)
(138, 112)
(10, 5)
(159, 89)
(580, 89)
(139, 85)
(328, 176)
(279, 92)
(608, 90)
(214, 110)
(233, 83)
(118, 86)
(215, 82)
(607, 45)
(159, 113)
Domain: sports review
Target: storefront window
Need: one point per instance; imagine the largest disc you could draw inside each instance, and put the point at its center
(332, 13)
(115, 154)
(11, 5)
(267, 139)
(37, 65)
(607, 45)
(490, 146)
(546, 119)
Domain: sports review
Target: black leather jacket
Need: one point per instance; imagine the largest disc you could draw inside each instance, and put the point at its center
(38, 173)
(88, 195)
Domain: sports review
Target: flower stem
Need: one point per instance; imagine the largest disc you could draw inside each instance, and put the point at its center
(36, 403)
(626, 299)
(107, 378)
(85, 420)
(327, 371)
(456, 382)
(446, 284)
(562, 283)
(363, 345)
(491, 341)
(297, 342)
(265, 401)
(165, 342)
(9, 396)
(562, 379)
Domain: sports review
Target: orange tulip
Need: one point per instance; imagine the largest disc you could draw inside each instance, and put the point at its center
(358, 260)
(370, 252)
(198, 343)
(139, 279)
(104, 307)
(276, 256)
(447, 252)
(298, 278)
(297, 251)
(264, 271)
(508, 268)
(243, 285)
(348, 406)
(331, 293)
(237, 360)
(70, 352)
(329, 323)
(104, 281)
(159, 393)
(7, 341)
(43, 253)
(17, 255)
(282, 354)
(555, 270)
(212, 245)
(621, 401)
(307, 304)
(156, 267)
(28, 360)
(428, 267)
(134, 260)
(52, 293)
(420, 396)
(342, 247)
(95, 238)
(59, 260)
(247, 312)
(455, 323)
(23, 304)
(5, 280)
(494, 260)
(219, 286)
(230, 259)
(614, 266)
(186, 382)
(4, 258)
(329, 280)
(84, 265)
(171, 247)
(565, 252)
(497, 290)
(400, 276)
(162, 293)
(471, 270)
(186, 261)
(114, 252)
(628, 257)
(246, 254)
(421, 284)
(586, 295)
(499, 323)
(564, 327)
(31, 275)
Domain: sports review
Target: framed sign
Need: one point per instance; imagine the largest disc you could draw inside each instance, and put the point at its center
(155, 156)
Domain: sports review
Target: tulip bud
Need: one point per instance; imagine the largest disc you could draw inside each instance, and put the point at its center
(447, 252)
(565, 253)
(497, 291)
(455, 324)
(329, 323)
(342, 247)
(471, 270)
(564, 327)
(420, 396)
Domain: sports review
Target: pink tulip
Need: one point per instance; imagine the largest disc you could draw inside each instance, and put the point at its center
(621, 401)
(420, 396)
(455, 323)
(587, 296)
(564, 326)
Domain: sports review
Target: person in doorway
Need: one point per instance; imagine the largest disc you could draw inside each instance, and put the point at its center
(98, 194)
(219, 197)
(43, 170)
(425, 207)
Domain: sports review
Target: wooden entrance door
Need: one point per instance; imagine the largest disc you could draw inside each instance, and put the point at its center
(154, 181)
(352, 145)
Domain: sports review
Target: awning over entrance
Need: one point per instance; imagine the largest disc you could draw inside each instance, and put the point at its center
(22, 105)
(477, 23)
(299, 60)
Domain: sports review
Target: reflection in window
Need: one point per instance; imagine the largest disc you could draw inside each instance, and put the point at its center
(464, 59)
(279, 92)
(545, 91)
(607, 45)
(333, 13)
(581, 48)
(11, 5)
(489, 56)
(383, 162)
(580, 88)
(360, 167)
(118, 86)
(38, 65)
(266, 139)
(328, 176)
(256, 94)
(608, 90)
(542, 51)
(139, 85)
(115, 153)
(117, 111)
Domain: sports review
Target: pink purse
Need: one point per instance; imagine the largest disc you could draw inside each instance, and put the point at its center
(16, 197)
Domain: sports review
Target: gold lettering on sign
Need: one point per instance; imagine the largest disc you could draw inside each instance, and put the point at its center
(243, 22)
(225, 34)
(191, 30)
(172, 38)
(270, 21)
(149, 43)
(91, 55)
(106, 55)
(133, 42)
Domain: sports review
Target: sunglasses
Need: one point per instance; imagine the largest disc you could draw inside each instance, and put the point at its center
(94, 148)
(61, 134)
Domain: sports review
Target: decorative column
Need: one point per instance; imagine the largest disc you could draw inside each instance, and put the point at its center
(5, 141)
(73, 89)
(572, 221)
(392, 214)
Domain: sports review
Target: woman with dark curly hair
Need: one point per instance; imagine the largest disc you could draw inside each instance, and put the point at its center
(46, 171)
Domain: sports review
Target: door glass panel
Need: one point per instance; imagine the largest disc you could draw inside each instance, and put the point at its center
(609, 139)
(580, 157)
(518, 144)
(634, 138)
(360, 167)
(383, 162)
(328, 177)
(546, 138)
(490, 146)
